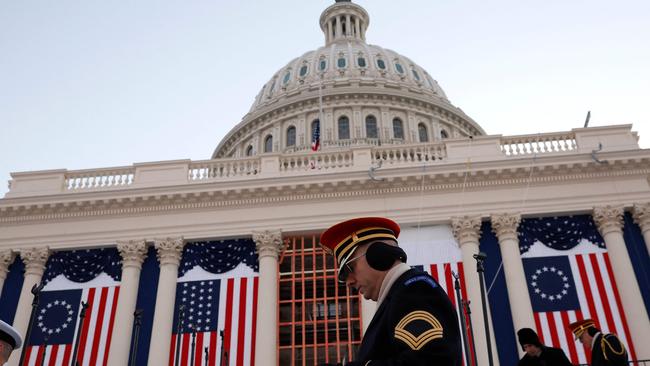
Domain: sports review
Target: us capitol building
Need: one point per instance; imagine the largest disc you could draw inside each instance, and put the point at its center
(349, 129)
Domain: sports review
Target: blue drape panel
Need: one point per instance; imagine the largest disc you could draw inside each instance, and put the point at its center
(11, 290)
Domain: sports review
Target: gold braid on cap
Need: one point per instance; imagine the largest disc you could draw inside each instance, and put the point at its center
(359, 237)
(583, 328)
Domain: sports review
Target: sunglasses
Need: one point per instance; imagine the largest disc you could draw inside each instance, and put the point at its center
(345, 271)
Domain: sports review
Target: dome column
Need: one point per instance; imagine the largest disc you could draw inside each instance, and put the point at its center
(133, 253)
(642, 218)
(505, 228)
(609, 220)
(169, 256)
(35, 260)
(269, 247)
(467, 231)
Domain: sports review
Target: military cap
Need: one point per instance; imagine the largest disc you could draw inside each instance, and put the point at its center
(344, 238)
(10, 335)
(581, 326)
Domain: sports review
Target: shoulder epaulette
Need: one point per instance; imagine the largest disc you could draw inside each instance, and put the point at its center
(605, 343)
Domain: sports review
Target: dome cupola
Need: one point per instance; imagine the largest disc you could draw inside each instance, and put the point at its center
(344, 21)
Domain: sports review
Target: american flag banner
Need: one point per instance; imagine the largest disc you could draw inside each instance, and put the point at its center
(217, 295)
(220, 316)
(56, 328)
(315, 136)
(442, 272)
(566, 288)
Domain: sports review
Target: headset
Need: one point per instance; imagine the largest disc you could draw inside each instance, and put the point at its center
(381, 256)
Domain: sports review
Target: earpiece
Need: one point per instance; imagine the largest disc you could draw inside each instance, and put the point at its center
(381, 256)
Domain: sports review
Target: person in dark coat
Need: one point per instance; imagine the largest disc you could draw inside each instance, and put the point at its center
(538, 354)
(415, 322)
(606, 349)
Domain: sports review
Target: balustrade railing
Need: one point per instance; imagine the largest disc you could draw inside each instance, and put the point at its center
(404, 154)
(99, 178)
(538, 144)
(297, 162)
(223, 168)
(316, 160)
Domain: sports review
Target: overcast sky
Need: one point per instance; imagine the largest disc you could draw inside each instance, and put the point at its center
(89, 84)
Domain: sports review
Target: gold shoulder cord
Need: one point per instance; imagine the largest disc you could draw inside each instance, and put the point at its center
(604, 342)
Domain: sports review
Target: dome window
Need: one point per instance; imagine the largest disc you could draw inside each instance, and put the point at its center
(444, 134)
(398, 129)
(399, 68)
(341, 63)
(322, 65)
(361, 62)
(344, 128)
(415, 74)
(303, 71)
(268, 144)
(291, 136)
(286, 78)
(249, 150)
(381, 64)
(422, 131)
(371, 127)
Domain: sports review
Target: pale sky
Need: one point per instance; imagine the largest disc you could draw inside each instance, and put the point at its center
(90, 84)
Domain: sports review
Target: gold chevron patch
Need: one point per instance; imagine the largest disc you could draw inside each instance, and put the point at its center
(423, 323)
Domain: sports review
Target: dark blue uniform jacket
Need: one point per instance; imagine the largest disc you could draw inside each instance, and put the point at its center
(416, 324)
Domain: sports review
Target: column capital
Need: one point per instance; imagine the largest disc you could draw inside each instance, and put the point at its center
(505, 225)
(268, 243)
(169, 250)
(35, 260)
(132, 252)
(466, 228)
(609, 219)
(7, 257)
(641, 214)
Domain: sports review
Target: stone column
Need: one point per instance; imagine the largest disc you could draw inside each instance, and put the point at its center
(133, 253)
(169, 256)
(6, 259)
(35, 260)
(642, 218)
(505, 227)
(467, 232)
(610, 224)
(269, 246)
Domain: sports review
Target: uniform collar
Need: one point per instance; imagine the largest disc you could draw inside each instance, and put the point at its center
(392, 276)
(593, 342)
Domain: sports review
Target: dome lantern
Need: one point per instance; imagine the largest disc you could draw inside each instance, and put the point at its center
(344, 21)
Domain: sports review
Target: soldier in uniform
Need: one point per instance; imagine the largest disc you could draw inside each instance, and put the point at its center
(606, 349)
(538, 354)
(415, 322)
(9, 341)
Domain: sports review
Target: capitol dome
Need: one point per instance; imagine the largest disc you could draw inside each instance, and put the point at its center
(351, 92)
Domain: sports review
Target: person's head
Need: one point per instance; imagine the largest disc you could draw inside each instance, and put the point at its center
(9, 341)
(364, 249)
(584, 330)
(529, 342)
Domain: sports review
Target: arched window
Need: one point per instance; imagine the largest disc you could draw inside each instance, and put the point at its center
(371, 127)
(381, 64)
(361, 61)
(344, 128)
(303, 70)
(249, 150)
(422, 131)
(268, 144)
(444, 134)
(322, 64)
(398, 128)
(286, 78)
(291, 136)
